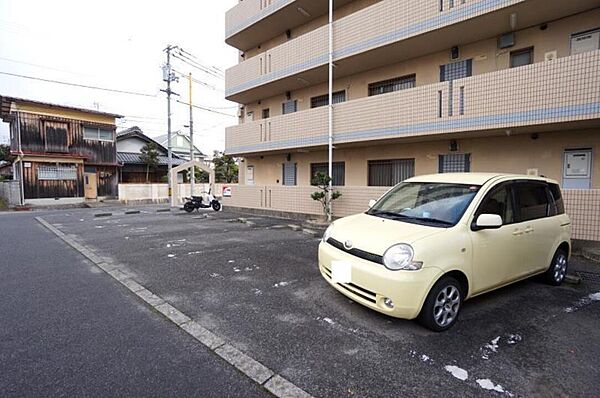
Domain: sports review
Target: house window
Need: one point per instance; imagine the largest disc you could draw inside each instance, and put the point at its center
(386, 173)
(98, 134)
(585, 41)
(289, 107)
(323, 100)
(521, 57)
(391, 85)
(338, 177)
(455, 163)
(456, 70)
(56, 136)
(57, 172)
(266, 113)
(289, 173)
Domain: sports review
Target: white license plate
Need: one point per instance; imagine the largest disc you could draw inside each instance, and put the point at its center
(341, 272)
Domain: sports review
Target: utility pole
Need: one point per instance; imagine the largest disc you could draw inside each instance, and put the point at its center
(193, 174)
(169, 76)
(330, 122)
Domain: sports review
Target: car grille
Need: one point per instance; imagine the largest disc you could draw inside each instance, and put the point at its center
(356, 252)
(353, 289)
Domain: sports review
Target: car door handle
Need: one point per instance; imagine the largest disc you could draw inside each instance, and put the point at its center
(518, 232)
(528, 230)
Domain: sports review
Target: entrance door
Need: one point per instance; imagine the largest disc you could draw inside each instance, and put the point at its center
(91, 187)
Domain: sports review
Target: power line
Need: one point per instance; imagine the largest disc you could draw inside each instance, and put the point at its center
(196, 65)
(215, 68)
(206, 109)
(41, 66)
(194, 80)
(80, 85)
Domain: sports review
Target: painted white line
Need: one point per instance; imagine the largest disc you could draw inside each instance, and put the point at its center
(274, 383)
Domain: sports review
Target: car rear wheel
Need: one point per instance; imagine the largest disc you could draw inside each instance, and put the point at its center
(442, 305)
(557, 271)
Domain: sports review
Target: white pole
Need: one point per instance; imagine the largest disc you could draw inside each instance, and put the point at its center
(330, 126)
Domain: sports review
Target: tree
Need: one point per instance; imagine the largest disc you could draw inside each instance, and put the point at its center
(5, 153)
(226, 168)
(202, 176)
(149, 156)
(321, 180)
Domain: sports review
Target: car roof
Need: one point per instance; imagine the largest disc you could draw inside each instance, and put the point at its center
(474, 178)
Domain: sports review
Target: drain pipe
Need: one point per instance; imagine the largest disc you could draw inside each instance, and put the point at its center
(21, 168)
(330, 123)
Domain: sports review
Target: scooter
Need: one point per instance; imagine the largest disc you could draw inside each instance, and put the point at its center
(204, 201)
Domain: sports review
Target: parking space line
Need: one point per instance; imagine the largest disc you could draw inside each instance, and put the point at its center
(267, 378)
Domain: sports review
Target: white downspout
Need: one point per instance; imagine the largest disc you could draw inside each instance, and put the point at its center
(21, 168)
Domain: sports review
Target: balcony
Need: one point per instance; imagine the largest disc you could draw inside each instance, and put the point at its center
(253, 22)
(388, 32)
(544, 95)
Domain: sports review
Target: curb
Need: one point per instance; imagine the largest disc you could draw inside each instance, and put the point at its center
(265, 377)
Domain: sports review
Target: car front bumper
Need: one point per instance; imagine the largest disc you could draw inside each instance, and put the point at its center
(372, 283)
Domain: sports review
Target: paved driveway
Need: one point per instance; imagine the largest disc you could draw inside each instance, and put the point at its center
(257, 286)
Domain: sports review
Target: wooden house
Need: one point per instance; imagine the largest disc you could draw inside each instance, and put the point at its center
(64, 153)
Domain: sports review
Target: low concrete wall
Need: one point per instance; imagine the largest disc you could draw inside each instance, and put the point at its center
(10, 191)
(583, 206)
(159, 193)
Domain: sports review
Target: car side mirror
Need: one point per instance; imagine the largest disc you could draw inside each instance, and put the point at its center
(372, 203)
(488, 221)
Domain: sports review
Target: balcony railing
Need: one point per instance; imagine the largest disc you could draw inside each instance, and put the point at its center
(381, 24)
(387, 32)
(562, 90)
(253, 22)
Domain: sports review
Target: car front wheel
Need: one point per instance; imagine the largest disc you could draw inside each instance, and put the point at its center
(442, 305)
(557, 271)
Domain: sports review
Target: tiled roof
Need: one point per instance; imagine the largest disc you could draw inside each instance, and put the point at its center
(134, 158)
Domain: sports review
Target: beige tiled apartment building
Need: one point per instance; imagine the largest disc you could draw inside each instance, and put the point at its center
(419, 87)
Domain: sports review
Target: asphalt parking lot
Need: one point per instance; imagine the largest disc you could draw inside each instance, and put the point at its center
(257, 286)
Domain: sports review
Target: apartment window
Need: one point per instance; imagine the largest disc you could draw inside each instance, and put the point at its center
(455, 163)
(266, 113)
(521, 57)
(323, 100)
(290, 174)
(585, 41)
(391, 85)
(98, 134)
(386, 173)
(57, 172)
(338, 172)
(289, 107)
(456, 70)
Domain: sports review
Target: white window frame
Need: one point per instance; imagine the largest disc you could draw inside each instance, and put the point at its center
(98, 134)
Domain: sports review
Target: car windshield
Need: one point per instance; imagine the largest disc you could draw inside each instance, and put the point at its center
(435, 204)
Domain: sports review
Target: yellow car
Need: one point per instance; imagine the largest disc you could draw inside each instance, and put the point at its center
(433, 241)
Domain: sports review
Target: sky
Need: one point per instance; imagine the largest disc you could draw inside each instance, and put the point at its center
(119, 45)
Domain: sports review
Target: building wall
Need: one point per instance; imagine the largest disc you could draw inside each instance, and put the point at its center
(500, 153)
(485, 54)
(34, 188)
(35, 141)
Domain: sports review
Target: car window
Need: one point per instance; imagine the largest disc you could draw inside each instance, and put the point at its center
(533, 200)
(499, 202)
(558, 203)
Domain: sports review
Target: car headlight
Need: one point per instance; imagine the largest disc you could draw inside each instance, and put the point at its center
(327, 233)
(400, 257)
